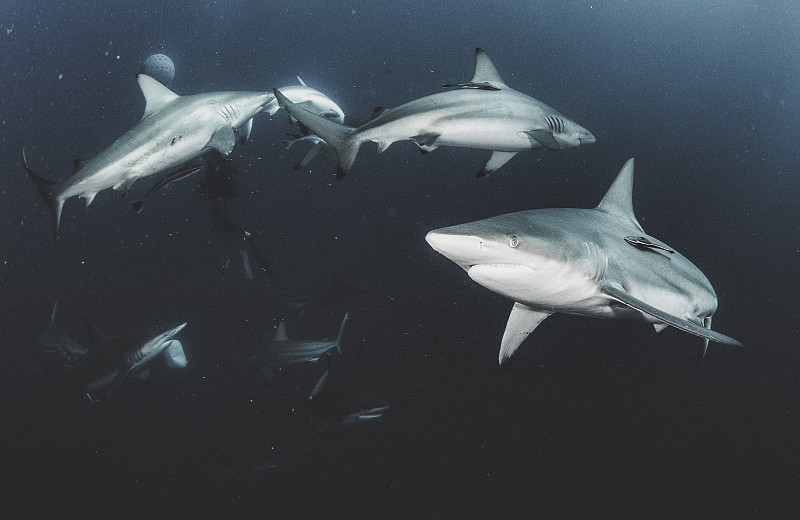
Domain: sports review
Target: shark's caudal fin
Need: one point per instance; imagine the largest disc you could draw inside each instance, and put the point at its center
(49, 190)
(341, 333)
(339, 136)
(687, 326)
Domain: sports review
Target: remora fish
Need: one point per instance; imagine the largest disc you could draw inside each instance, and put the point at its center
(282, 351)
(591, 262)
(483, 113)
(173, 131)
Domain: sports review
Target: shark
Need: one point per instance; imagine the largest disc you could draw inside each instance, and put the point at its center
(112, 359)
(591, 262)
(282, 351)
(483, 113)
(339, 403)
(54, 339)
(173, 131)
(315, 102)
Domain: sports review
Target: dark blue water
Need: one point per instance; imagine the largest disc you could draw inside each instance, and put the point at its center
(595, 418)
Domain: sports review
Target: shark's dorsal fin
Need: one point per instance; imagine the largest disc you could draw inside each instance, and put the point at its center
(618, 200)
(485, 72)
(280, 333)
(156, 95)
(301, 81)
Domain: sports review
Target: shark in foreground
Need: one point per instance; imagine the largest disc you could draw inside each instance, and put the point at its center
(483, 113)
(174, 131)
(591, 262)
(282, 351)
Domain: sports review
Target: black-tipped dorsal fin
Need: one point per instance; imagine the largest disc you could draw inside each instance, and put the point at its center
(485, 72)
(156, 95)
(619, 197)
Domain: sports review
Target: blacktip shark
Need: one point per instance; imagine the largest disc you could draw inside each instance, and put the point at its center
(113, 359)
(173, 131)
(282, 351)
(483, 113)
(315, 102)
(590, 262)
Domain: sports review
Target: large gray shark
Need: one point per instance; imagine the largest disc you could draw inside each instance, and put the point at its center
(591, 262)
(282, 351)
(483, 113)
(174, 130)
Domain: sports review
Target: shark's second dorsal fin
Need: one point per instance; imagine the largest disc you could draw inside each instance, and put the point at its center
(280, 332)
(619, 197)
(156, 95)
(485, 72)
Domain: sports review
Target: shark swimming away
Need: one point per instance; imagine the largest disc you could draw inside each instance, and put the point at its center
(483, 113)
(591, 262)
(174, 131)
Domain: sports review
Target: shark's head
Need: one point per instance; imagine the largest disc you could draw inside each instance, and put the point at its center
(312, 100)
(155, 345)
(516, 257)
(567, 132)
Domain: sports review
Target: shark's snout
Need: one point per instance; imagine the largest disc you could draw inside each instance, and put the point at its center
(588, 138)
(464, 250)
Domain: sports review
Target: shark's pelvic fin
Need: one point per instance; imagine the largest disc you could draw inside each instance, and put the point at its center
(522, 321)
(618, 200)
(692, 328)
(156, 95)
(495, 162)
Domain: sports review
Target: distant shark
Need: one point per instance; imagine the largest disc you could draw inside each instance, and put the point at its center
(54, 339)
(591, 262)
(483, 113)
(112, 359)
(174, 131)
(282, 351)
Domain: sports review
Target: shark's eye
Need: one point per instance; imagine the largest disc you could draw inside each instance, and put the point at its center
(513, 241)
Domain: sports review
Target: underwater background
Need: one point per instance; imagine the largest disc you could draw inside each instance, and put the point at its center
(595, 419)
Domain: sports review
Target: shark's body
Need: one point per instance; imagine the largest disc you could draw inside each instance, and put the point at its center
(112, 360)
(56, 340)
(338, 403)
(483, 113)
(591, 262)
(282, 351)
(174, 131)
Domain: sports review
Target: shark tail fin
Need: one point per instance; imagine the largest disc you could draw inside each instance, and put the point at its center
(49, 190)
(339, 136)
(341, 333)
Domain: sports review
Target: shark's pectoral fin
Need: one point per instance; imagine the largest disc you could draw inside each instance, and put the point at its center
(692, 328)
(307, 158)
(495, 162)
(223, 140)
(522, 321)
(545, 138)
(243, 133)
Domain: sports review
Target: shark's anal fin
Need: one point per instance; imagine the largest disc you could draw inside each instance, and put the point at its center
(545, 138)
(521, 322)
(495, 162)
(692, 328)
